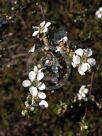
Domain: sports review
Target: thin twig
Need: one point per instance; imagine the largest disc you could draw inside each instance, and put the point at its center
(19, 55)
(42, 11)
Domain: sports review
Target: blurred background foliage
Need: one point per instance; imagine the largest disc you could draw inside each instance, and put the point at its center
(16, 20)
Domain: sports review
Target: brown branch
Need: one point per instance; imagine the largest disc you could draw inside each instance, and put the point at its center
(19, 55)
(42, 11)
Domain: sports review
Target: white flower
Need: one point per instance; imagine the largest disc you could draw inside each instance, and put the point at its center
(38, 97)
(34, 78)
(35, 87)
(82, 93)
(43, 28)
(36, 74)
(82, 61)
(99, 13)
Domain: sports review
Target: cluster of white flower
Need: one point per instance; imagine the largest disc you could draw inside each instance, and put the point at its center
(36, 87)
(36, 96)
(99, 13)
(82, 93)
(82, 60)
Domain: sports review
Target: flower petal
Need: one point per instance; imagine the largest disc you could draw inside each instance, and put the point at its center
(85, 90)
(35, 27)
(83, 95)
(79, 96)
(41, 86)
(32, 75)
(35, 69)
(32, 49)
(88, 52)
(26, 83)
(84, 67)
(100, 9)
(44, 30)
(76, 59)
(47, 24)
(97, 13)
(88, 67)
(40, 75)
(33, 91)
(82, 87)
(43, 104)
(74, 65)
(99, 16)
(41, 95)
(80, 71)
(42, 24)
(65, 39)
(35, 33)
(91, 61)
(79, 52)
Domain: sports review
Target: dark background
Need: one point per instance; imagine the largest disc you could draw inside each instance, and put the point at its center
(84, 29)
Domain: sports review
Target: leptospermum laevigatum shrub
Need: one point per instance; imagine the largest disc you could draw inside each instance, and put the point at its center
(54, 59)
